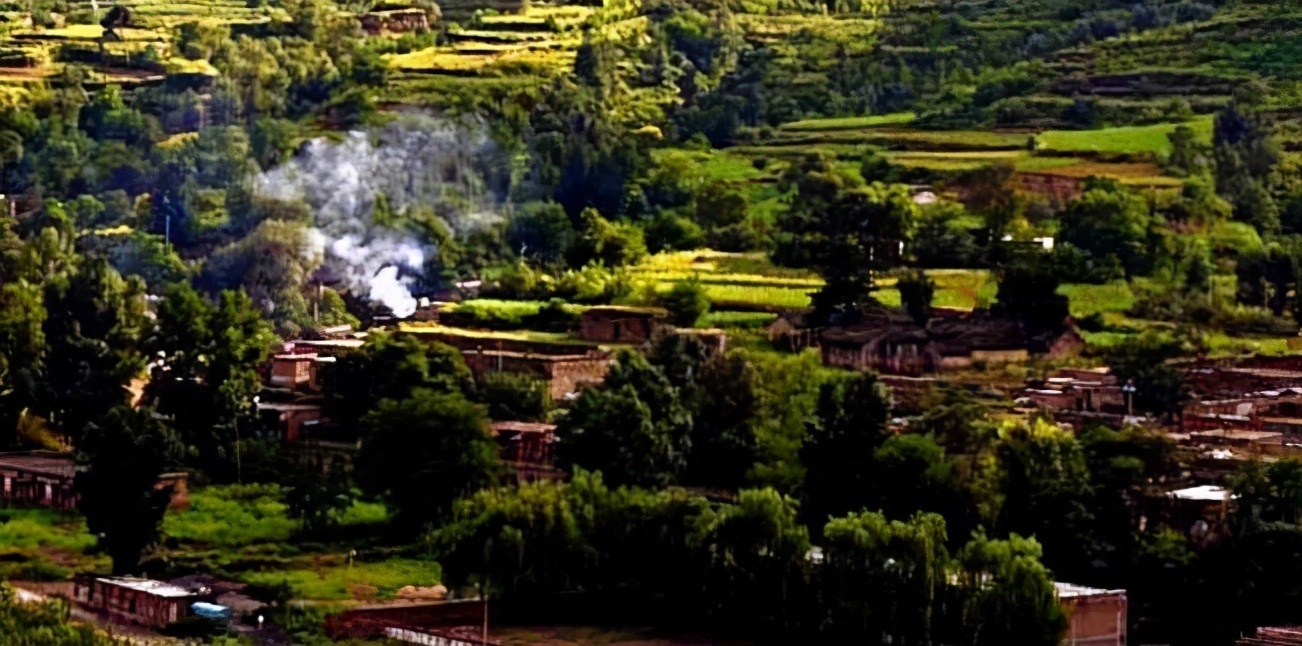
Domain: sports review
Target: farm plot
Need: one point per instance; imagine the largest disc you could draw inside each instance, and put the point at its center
(1128, 140)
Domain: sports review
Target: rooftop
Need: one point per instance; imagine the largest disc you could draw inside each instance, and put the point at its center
(148, 586)
(46, 464)
(1203, 493)
(1071, 590)
(522, 427)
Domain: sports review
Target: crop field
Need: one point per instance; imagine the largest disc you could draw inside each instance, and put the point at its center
(536, 44)
(1126, 140)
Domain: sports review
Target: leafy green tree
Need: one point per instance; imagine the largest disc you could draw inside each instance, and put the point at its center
(1028, 292)
(944, 238)
(1007, 594)
(858, 235)
(512, 396)
(1044, 491)
(883, 581)
(1188, 155)
(541, 231)
(94, 324)
(687, 302)
(911, 473)
(1108, 220)
(423, 452)
(208, 377)
(390, 366)
(121, 457)
(725, 444)
(633, 429)
(849, 426)
(756, 561)
(600, 240)
(318, 493)
(916, 292)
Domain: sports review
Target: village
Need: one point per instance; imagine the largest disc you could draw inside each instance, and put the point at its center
(1239, 410)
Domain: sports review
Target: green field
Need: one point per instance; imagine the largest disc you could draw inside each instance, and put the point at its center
(1126, 140)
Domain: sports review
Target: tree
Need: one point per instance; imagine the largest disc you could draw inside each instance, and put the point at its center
(916, 292)
(513, 396)
(884, 581)
(613, 245)
(390, 366)
(755, 561)
(687, 302)
(633, 429)
(1007, 594)
(1044, 490)
(207, 376)
(94, 324)
(1188, 155)
(997, 197)
(318, 492)
(121, 458)
(423, 452)
(850, 425)
(1106, 221)
(859, 236)
(1028, 292)
(910, 473)
(725, 420)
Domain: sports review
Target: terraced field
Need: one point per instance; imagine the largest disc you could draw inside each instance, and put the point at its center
(539, 42)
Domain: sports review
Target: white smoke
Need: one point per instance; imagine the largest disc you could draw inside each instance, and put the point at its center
(415, 161)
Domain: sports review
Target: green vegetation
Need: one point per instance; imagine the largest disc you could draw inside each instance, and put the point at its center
(1127, 139)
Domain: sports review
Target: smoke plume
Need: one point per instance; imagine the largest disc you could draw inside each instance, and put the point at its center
(415, 161)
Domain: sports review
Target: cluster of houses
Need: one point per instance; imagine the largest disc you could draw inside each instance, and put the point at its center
(893, 343)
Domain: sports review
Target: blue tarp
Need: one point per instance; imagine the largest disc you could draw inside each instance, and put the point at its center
(210, 610)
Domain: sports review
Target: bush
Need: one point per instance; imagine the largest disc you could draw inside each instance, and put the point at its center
(687, 302)
(511, 396)
(670, 232)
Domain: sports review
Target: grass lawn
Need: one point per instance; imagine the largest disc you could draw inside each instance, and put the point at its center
(1098, 299)
(44, 545)
(232, 516)
(1126, 140)
(339, 581)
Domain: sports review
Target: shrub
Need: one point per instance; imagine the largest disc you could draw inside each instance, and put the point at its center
(511, 396)
(687, 302)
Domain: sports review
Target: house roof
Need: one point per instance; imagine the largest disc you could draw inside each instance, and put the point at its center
(1071, 590)
(148, 586)
(522, 427)
(52, 465)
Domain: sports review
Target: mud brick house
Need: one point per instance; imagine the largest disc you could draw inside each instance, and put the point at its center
(142, 601)
(291, 419)
(297, 371)
(1094, 617)
(38, 481)
(1081, 390)
(394, 20)
(48, 480)
(527, 447)
(614, 324)
(893, 343)
(564, 373)
(1273, 636)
